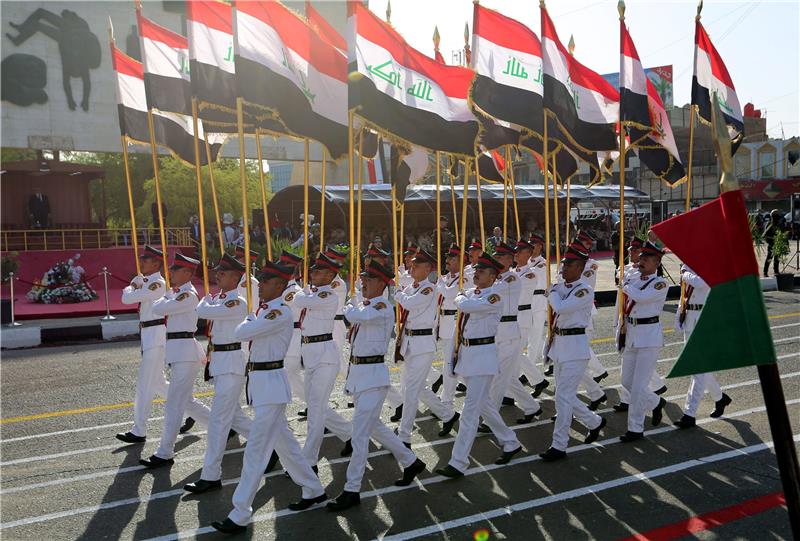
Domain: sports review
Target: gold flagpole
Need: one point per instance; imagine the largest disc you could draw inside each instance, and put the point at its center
(513, 191)
(134, 238)
(322, 199)
(216, 202)
(154, 152)
(305, 210)
(547, 230)
(480, 199)
(453, 200)
(245, 219)
(622, 150)
(353, 253)
(199, 177)
(555, 207)
(463, 233)
(263, 185)
(569, 213)
(401, 241)
(360, 164)
(438, 212)
(394, 229)
(691, 153)
(505, 203)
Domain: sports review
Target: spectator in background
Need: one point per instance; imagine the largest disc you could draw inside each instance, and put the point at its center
(39, 209)
(496, 238)
(154, 212)
(229, 230)
(775, 225)
(194, 228)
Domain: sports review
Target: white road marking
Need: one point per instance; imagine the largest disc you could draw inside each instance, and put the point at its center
(508, 510)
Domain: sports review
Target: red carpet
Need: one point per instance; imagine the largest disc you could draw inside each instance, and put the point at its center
(119, 262)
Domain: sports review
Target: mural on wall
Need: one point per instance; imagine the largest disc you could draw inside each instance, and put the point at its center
(24, 78)
(78, 46)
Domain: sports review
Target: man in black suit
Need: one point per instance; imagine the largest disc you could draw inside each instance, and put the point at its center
(39, 209)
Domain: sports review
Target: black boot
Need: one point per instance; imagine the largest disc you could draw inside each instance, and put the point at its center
(410, 473)
(658, 412)
(720, 405)
(539, 387)
(304, 503)
(187, 425)
(201, 485)
(594, 404)
(621, 407)
(436, 384)
(447, 426)
(528, 417)
(156, 462)
(629, 436)
(130, 437)
(345, 500)
(228, 526)
(398, 414)
(273, 460)
(687, 421)
(594, 433)
(551, 455)
(347, 450)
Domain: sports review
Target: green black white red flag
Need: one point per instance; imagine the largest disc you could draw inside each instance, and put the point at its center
(733, 329)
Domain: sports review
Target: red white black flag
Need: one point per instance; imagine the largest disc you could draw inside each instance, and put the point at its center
(165, 57)
(710, 77)
(405, 92)
(171, 130)
(285, 68)
(324, 29)
(585, 105)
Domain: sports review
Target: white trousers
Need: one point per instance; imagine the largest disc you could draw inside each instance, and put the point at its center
(593, 389)
(294, 372)
(270, 431)
(701, 383)
(415, 376)
(180, 401)
(394, 397)
(449, 380)
(226, 412)
(568, 375)
(366, 424)
(533, 337)
(506, 382)
(656, 382)
(318, 386)
(638, 365)
(476, 405)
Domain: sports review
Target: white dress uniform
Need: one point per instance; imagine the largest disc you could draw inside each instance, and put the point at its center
(372, 322)
(595, 367)
(506, 382)
(418, 348)
(270, 330)
(404, 278)
(532, 316)
(644, 338)
(572, 306)
(241, 290)
(226, 367)
(184, 355)
(477, 365)
(696, 296)
(339, 330)
(319, 357)
(294, 370)
(447, 287)
(150, 381)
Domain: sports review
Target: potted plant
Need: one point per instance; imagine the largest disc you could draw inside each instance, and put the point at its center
(780, 249)
(8, 264)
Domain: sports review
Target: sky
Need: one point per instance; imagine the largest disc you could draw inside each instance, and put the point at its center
(758, 40)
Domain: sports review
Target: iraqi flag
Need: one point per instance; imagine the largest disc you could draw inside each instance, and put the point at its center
(507, 57)
(172, 131)
(642, 111)
(585, 105)
(407, 93)
(324, 29)
(285, 68)
(711, 75)
(406, 167)
(165, 56)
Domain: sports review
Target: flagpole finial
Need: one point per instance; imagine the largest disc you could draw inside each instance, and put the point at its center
(699, 9)
(389, 12)
(466, 33)
(571, 45)
(722, 147)
(436, 38)
(541, 3)
(110, 30)
(621, 10)
(138, 5)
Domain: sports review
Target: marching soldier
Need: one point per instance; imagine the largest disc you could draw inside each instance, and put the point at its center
(644, 296)
(372, 322)
(292, 366)
(183, 354)
(475, 360)
(226, 368)
(242, 288)
(270, 330)
(417, 346)
(695, 295)
(506, 382)
(532, 274)
(447, 287)
(474, 252)
(319, 355)
(144, 290)
(571, 300)
(596, 372)
(404, 277)
(340, 288)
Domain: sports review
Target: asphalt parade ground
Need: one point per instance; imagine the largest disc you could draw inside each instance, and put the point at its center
(65, 476)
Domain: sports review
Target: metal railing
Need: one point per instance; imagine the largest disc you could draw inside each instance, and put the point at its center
(81, 239)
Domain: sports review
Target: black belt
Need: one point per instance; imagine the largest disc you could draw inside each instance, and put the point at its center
(316, 338)
(271, 365)
(524, 307)
(449, 312)
(641, 320)
(506, 319)
(339, 317)
(373, 359)
(179, 335)
(419, 332)
(226, 347)
(296, 324)
(539, 292)
(477, 341)
(151, 323)
(694, 306)
(569, 332)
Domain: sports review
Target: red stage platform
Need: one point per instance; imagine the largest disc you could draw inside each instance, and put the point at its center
(119, 262)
